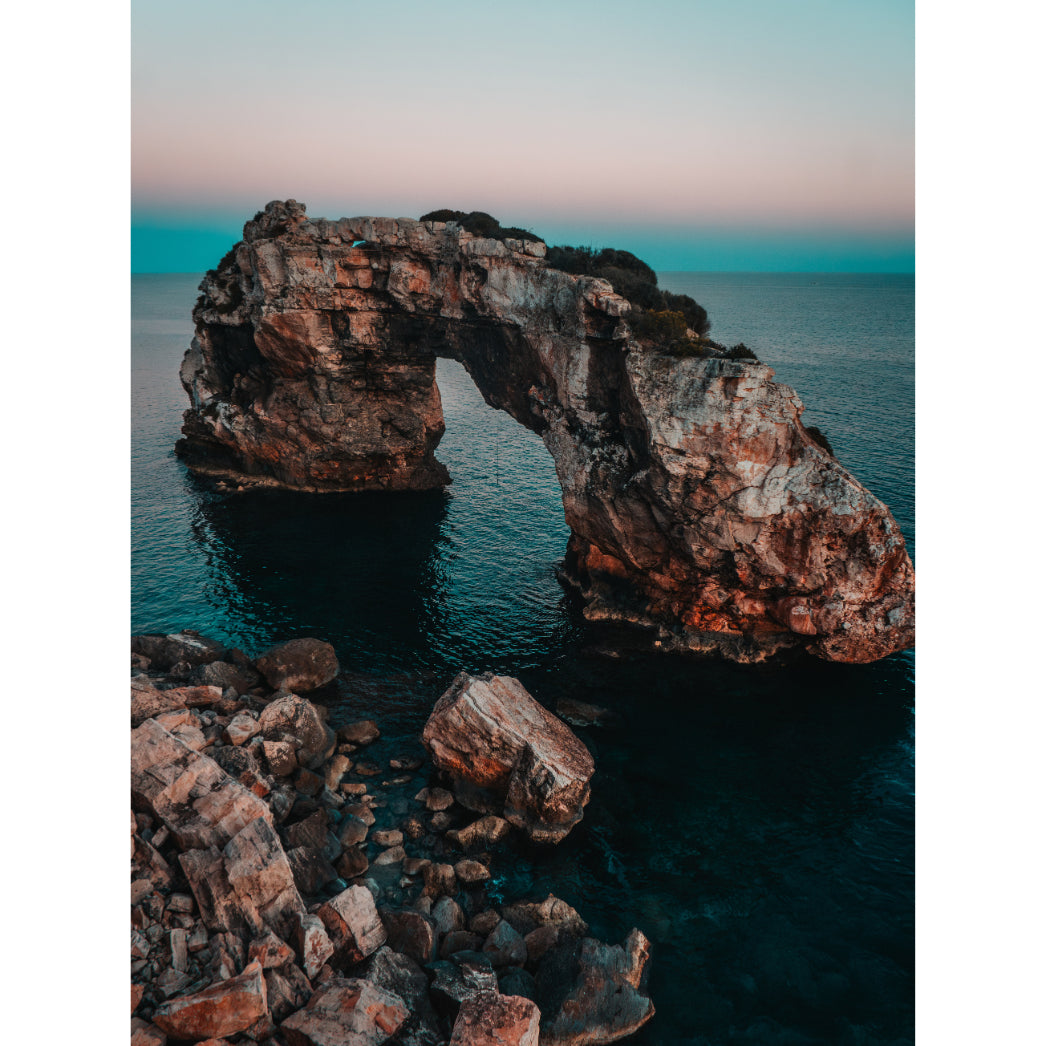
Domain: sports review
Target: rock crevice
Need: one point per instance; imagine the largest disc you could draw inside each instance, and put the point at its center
(700, 507)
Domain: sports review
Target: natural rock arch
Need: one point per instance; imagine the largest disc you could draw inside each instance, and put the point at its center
(700, 508)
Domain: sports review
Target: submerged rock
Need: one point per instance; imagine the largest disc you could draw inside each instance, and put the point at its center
(489, 732)
(299, 665)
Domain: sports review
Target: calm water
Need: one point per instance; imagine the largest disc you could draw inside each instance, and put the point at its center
(755, 822)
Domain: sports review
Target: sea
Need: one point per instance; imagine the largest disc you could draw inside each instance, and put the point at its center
(755, 822)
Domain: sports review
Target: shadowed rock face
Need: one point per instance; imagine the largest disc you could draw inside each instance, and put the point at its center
(700, 508)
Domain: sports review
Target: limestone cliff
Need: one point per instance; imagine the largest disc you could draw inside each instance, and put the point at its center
(700, 508)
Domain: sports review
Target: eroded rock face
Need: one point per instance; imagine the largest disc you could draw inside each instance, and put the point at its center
(700, 507)
(488, 731)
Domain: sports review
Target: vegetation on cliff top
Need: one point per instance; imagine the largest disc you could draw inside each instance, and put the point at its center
(479, 223)
(677, 323)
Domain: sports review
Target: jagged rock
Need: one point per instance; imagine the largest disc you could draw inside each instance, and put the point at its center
(149, 703)
(223, 1009)
(248, 887)
(496, 1020)
(346, 1012)
(488, 731)
(295, 716)
(410, 933)
(352, 922)
(198, 802)
(299, 665)
(700, 507)
(137, 991)
(591, 992)
(188, 646)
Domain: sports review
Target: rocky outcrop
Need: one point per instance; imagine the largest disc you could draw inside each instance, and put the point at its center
(487, 732)
(700, 507)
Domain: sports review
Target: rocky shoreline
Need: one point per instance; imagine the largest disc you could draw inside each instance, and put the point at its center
(289, 890)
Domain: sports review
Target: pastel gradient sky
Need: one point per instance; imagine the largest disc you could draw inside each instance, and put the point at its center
(700, 134)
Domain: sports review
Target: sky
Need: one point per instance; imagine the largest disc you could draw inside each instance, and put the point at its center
(699, 134)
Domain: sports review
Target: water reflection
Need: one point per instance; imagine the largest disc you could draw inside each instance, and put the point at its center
(365, 571)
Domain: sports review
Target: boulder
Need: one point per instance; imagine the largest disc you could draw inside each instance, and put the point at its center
(200, 803)
(490, 1019)
(346, 1011)
(248, 887)
(352, 922)
(297, 717)
(591, 992)
(300, 665)
(223, 1009)
(490, 733)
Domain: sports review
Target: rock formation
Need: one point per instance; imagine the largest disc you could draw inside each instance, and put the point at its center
(489, 734)
(700, 507)
(242, 928)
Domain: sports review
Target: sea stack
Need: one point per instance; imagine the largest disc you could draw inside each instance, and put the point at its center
(701, 509)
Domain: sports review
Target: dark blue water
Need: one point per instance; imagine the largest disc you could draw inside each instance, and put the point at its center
(755, 822)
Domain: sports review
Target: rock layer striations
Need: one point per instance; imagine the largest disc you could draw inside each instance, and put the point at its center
(699, 505)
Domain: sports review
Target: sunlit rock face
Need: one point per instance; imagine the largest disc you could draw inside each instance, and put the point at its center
(700, 508)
